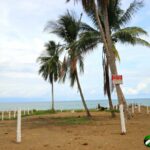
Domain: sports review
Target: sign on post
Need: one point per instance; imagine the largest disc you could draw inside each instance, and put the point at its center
(117, 79)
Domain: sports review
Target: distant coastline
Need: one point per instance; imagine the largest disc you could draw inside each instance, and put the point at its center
(64, 105)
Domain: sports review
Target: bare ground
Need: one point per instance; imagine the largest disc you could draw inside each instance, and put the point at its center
(102, 132)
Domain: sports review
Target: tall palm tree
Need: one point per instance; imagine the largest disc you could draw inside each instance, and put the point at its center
(95, 6)
(67, 28)
(99, 10)
(118, 34)
(50, 65)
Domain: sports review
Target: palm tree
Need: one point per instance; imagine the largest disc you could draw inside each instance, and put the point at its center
(67, 28)
(100, 12)
(95, 6)
(50, 65)
(118, 34)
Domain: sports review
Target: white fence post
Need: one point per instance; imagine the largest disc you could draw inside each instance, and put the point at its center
(122, 119)
(9, 115)
(14, 113)
(139, 108)
(147, 110)
(132, 108)
(19, 126)
(28, 111)
(2, 115)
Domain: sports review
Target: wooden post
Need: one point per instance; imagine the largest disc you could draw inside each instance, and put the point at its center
(9, 114)
(122, 119)
(132, 108)
(28, 111)
(72, 111)
(2, 115)
(18, 138)
(139, 108)
(147, 110)
(14, 113)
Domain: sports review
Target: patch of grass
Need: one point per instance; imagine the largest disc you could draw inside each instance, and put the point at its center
(43, 112)
(71, 120)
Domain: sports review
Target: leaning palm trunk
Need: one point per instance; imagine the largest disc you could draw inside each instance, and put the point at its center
(81, 94)
(107, 89)
(110, 57)
(52, 108)
(113, 64)
(109, 97)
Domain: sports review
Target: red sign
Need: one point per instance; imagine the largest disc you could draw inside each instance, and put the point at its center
(117, 79)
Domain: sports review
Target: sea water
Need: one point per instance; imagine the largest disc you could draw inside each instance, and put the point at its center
(65, 105)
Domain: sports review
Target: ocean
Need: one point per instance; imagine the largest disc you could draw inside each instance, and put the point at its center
(64, 105)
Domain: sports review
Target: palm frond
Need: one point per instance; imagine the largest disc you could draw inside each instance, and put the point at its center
(127, 16)
(131, 36)
(141, 42)
(88, 41)
(66, 27)
(49, 62)
(116, 52)
(133, 31)
(81, 63)
(86, 27)
(72, 77)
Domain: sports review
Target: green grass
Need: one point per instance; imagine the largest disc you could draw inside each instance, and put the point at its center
(47, 112)
(71, 120)
(43, 112)
(40, 112)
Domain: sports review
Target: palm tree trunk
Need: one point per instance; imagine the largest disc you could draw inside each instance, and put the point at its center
(82, 97)
(107, 89)
(113, 68)
(111, 107)
(52, 108)
(109, 41)
(110, 56)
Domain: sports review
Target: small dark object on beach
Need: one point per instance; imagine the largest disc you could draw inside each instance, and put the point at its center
(99, 107)
(85, 144)
(6, 133)
(46, 145)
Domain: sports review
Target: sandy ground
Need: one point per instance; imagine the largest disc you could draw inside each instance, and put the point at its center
(101, 133)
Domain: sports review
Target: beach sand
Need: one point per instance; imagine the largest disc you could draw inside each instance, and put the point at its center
(100, 133)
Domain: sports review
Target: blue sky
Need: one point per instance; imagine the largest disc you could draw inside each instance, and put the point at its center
(22, 41)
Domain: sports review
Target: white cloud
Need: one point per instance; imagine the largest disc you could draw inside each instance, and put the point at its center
(23, 90)
(141, 87)
(22, 41)
(21, 75)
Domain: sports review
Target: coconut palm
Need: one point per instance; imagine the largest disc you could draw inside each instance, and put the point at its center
(50, 65)
(67, 28)
(96, 6)
(118, 34)
(99, 11)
